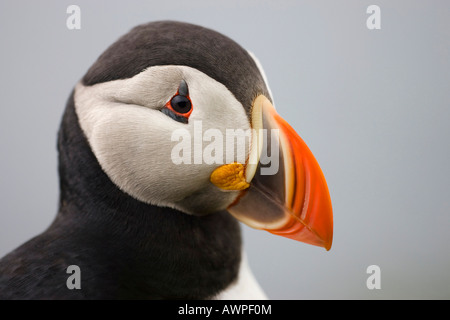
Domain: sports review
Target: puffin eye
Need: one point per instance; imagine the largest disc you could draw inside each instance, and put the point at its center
(179, 108)
(181, 104)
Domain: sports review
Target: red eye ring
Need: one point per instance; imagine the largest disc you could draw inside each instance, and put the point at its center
(180, 105)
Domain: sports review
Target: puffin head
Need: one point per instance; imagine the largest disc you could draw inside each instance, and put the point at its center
(181, 116)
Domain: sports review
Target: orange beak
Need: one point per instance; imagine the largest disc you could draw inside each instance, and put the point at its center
(288, 194)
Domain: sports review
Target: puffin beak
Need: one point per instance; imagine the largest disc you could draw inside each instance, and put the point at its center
(286, 192)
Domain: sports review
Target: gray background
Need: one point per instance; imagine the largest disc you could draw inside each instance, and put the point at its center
(373, 106)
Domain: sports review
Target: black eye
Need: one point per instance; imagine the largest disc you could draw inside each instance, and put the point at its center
(181, 104)
(179, 108)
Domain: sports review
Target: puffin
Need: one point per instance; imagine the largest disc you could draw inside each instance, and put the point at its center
(167, 143)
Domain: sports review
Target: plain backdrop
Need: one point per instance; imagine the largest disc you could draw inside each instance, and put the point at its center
(373, 106)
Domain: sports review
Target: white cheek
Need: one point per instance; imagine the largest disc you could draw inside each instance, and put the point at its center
(133, 141)
(219, 110)
(134, 147)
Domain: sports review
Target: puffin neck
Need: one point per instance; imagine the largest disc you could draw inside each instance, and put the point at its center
(91, 206)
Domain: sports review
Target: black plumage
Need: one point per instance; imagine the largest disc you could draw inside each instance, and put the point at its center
(177, 43)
